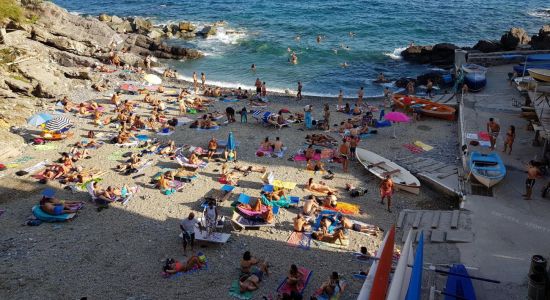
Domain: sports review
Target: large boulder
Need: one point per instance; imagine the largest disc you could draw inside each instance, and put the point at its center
(155, 33)
(116, 20)
(207, 31)
(187, 26)
(513, 38)
(172, 28)
(104, 18)
(542, 40)
(417, 54)
(123, 27)
(185, 35)
(140, 25)
(443, 54)
(48, 81)
(21, 86)
(487, 46)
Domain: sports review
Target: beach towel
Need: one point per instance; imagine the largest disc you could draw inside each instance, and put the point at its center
(302, 157)
(46, 147)
(285, 201)
(235, 291)
(36, 167)
(471, 136)
(331, 215)
(184, 120)
(184, 162)
(485, 144)
(117, 155)
(251, 213)
(230, 100)
(287, 185)
(19, 161)
(285, 288)
(143, 137)
(146, 165)
(301, 240)
(43, 216)
(196, 269)
(214, 128)
(484, 136)
(129, 144)
(328, 246)
(413, 148)
(344, 208)
(424, 147)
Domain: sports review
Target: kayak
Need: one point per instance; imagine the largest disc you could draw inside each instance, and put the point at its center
(402, 275)
(459, 286)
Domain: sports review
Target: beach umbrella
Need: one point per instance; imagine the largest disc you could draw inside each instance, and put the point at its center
(230, 142)
(396, 117)
(39, 119)
(49, 193)
(152, 79)
(58, 123)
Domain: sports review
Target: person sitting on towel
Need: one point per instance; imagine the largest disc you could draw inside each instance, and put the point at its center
(169, 149)
(330, 288)
(317, 167)
(194, 159)
(165, 185)
(311, 207)
(133, 163)
(338, 235)
(275, 195)
(173, 266)
(300, 224)
(251, 265)
(330, 200)
(294, 277)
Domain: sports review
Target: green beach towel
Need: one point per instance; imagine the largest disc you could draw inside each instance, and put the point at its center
(283, 202)
(46, 147)
(234, 291)
(117, 155)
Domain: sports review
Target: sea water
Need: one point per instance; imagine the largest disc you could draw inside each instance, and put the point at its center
(366, 35)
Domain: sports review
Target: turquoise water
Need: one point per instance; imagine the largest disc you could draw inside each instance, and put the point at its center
(269, 28)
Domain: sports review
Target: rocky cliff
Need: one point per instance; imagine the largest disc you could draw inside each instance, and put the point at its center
(48, 53)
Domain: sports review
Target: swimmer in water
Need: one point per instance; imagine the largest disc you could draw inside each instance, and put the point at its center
(335, 51)
(352, 34)
(288, 50)
(344, 64)
(297, 37)
(318, 39)
(253, 67)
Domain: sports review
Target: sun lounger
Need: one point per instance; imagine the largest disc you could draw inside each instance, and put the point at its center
(285, 288)
(223, 194)
(240, 223)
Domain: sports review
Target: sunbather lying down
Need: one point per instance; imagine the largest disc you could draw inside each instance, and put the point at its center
(248, 169)
(173, 266)
(54, 206)
(83, 175)
(338, 235)
(267, 214)
(319, 139)
(275, 195)
(319, 187)
(131, 165)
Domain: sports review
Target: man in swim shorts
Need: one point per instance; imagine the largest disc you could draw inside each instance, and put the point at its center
(493, 128)
(187, 226)
(386, 190)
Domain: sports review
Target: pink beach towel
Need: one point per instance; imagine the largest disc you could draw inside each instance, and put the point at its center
(483, 135)
(284, 288)
(413, 148)
(251, 213)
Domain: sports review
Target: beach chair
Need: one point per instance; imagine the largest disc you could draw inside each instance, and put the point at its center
(222, 195)
(240, 223)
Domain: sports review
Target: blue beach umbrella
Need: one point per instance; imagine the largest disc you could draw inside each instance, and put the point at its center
(39, 119)
(230, 142)
(49, 193)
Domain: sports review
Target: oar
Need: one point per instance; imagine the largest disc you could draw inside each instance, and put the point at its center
(432, 268)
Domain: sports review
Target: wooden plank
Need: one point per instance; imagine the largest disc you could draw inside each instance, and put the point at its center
(435, 219)
(454, 219)
(417, 219)
(401, 218)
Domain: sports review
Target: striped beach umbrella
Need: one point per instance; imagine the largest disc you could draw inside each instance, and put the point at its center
(39, 119)
(58, 123)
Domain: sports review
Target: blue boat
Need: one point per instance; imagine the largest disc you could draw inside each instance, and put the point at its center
(521, 67)
(488, 169)
(475, 81)
(539, 57)
(414, 292)
(459, 286)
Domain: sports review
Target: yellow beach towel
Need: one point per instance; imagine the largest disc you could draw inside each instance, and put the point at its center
(287, 185)
(424, 147)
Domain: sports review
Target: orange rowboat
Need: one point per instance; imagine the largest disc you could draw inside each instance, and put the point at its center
(427, 107)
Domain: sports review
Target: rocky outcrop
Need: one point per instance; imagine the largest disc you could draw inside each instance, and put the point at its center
(207, 31)
(140, 25)
(187, 27)
(487, 46)
(439, 54)
(514, 38)
(541, 41)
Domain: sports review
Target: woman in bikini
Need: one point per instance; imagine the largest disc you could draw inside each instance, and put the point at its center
(510, 137)
(174, 266)
(320, 188)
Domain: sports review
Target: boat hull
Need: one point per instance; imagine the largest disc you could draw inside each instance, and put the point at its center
(430, 108)
(380, 166)
(540, 74)
(458, 285)
(488, 169)
(475, 81)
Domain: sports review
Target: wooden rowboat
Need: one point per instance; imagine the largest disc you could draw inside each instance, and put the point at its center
(488, 169)
(427, 107)
(381, 167)
(540, 74)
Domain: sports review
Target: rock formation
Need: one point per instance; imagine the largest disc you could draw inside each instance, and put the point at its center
(541, 41)
(513, 38)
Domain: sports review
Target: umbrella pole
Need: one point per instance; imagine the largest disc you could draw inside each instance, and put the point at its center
(394, 136)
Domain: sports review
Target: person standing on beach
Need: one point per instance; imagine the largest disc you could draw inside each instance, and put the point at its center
(533, 173)
(344, 151)
(360, 95)
(386, 190)
(493, 129)
(326, 116)
(203, 79)
(307, 116)
(244, 115)
(429, 88)
(510, 137)
(195, 82)
(410, 87)
(264, 90)
(340, 103)
(387, 97)
(187, 227)
(299, 94)
(258, 85)
(147, 62)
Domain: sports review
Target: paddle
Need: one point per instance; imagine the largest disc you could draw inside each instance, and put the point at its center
(432, 268)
